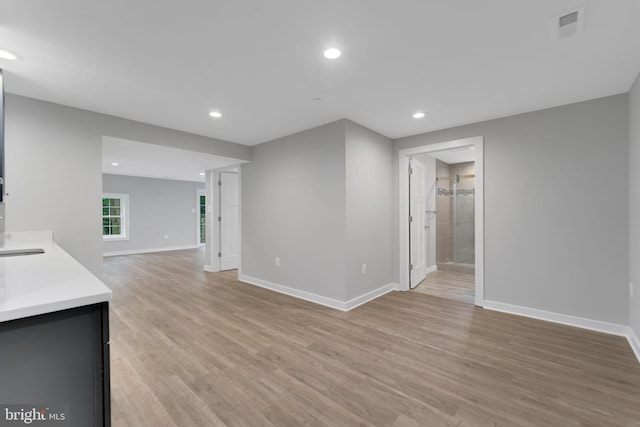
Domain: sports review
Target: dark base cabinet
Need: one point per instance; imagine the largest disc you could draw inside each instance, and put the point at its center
(56, 366)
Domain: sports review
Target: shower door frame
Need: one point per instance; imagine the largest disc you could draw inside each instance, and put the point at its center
(403, 216)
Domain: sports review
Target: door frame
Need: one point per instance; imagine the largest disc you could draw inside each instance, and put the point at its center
(403, 215)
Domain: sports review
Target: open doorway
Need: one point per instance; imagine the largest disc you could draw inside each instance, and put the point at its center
(441, 243)
(201, 224)
(167, 201)
(442, 200)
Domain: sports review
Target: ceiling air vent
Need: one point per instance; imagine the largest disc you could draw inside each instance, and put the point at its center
(570, 23)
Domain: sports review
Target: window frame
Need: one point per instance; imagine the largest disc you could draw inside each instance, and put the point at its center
(124, 217)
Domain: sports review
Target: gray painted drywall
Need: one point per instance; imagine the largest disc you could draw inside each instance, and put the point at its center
(156, 207)
(320, 201)
(293, 207)
(634, 205)
(54, 171)
(556, 211)
(368, 210)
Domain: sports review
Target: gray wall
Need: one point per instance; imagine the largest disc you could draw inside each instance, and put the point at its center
(320, 201)
(293, 207)
(634, 205)
(54, 171)
(368, 210)
(556, 210)
(156, 207)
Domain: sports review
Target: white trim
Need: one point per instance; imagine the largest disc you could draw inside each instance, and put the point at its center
(240, 219)
(149, 250)
(319, 299)
(211, 240)
(634, 342)
(479, 222)
(431, 269)
(307, 296)
(403, 189)
(369, 296)
(563, 319)
(114, 238)
(209, 269)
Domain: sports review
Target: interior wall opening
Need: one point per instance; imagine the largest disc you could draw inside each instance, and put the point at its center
(173, 200)
(443, 223)
(441, 244)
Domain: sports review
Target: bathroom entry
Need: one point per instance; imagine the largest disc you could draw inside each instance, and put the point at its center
(442, 223)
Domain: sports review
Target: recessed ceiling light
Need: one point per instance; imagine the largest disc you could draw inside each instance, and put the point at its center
(215, 114)
(10, 56)
(115, 164)
(201, 173)
(418, 115)
(332, 53)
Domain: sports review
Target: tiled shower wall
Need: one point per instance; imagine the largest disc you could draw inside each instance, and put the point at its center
(463, 233)
(444, 228)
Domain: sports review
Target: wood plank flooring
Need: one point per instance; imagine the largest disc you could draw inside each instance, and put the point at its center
(449, 284)
(190, 348)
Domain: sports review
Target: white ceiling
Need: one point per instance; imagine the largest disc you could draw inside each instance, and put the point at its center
(260, 62)
(155, 161)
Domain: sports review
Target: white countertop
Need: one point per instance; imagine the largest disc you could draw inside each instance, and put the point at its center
(43, 283)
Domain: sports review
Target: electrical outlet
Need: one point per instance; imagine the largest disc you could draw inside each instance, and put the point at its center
(277, 262)
(364, 268)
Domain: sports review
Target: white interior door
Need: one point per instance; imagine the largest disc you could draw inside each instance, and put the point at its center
(417, 226)
(229, 221)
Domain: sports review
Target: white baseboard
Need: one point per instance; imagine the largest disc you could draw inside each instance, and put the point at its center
(432, 268)
(210, 269)
(319, 299)
(634, 342)
(149, 250)
(579, 322)
(369, 296)
(307, 296)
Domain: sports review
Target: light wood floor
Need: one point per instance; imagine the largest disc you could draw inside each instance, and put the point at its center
(449, 284)
(191, 348)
